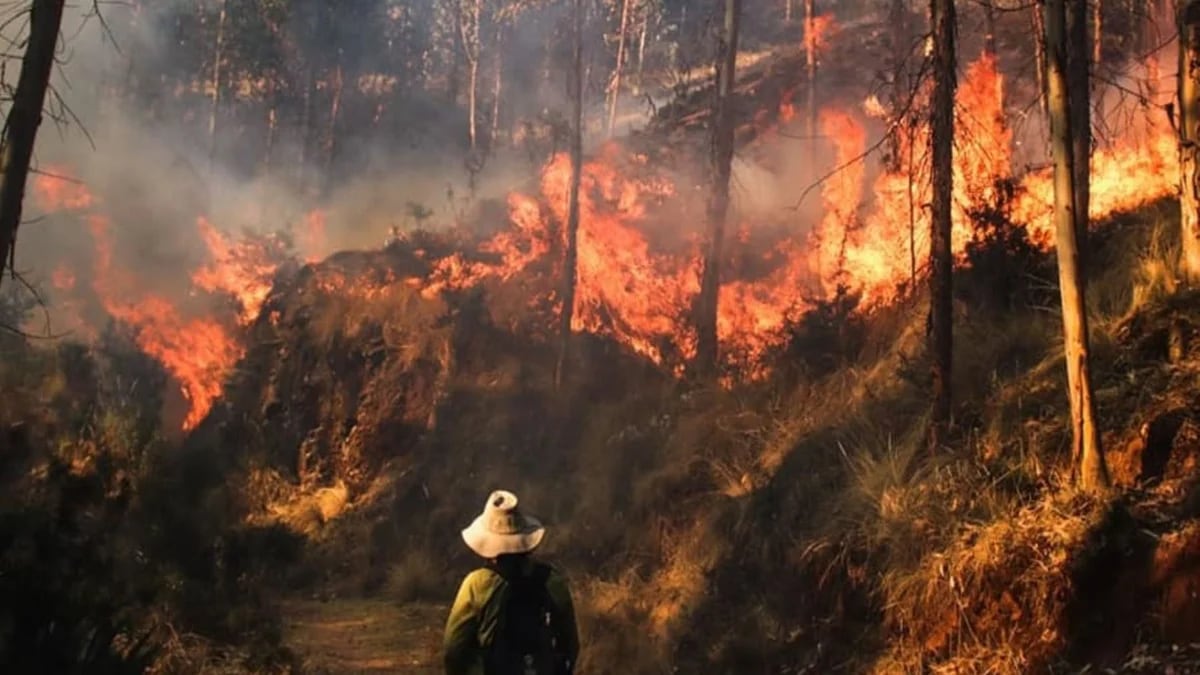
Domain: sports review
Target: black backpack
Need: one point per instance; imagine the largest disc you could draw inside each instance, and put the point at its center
(528, 633)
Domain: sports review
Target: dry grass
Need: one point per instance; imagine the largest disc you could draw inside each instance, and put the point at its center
(995, 597)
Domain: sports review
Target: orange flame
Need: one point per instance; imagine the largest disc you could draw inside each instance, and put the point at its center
(243, 270)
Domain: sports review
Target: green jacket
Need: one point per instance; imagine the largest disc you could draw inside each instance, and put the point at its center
(472, 622)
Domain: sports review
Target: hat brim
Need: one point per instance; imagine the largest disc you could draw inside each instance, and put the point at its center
(490, 544)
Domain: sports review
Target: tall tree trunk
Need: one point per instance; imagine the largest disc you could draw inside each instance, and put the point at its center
(1097, 32)
(721, 165)
(810, 62)
(497, 89)
(570, 254)
(641, 52)
(616, 79)
(1093, 474)
(901, 44)
(468, 27)
(335, 107)
(272, 122)
(1039, 55)
(940, 251)
(1080, 105)
(306, 128)
(218, 56)
(472, 105)
(787, 10)
(24, 118)
(1189, 138)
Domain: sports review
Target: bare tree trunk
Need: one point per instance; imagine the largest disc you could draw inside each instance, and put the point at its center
(787, 10)
(901, 44)
(272, 121)
(24, 118)
(497, 89)
(721, 164)
(912, 210)
(1093, 474)
(1097, 32)
(1039, 57)
(1079, 93)
(1189, 138)
(218, 55)
(810, 62)
(335, 107)
(940, 251)
(306, 128)
(472, 105)
(641, 52)
(616, 80)
(468, 27)
(571, 252)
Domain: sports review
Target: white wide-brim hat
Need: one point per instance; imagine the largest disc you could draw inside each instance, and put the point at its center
(502, 529)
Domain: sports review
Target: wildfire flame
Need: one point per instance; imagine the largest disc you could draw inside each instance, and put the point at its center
(871, 239)
(197, 352)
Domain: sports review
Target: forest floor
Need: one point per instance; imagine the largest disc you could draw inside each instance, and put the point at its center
(364, 635)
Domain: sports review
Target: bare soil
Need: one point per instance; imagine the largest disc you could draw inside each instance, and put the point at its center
(357, 635)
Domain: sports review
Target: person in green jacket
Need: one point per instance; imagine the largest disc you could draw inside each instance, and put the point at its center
(489, 631)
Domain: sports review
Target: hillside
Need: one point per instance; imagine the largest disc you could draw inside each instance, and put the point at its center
(255, 456)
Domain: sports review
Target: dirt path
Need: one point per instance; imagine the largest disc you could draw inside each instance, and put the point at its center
(365, 636)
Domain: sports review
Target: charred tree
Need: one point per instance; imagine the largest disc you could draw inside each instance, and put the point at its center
(720, 170)
(620, 65)
(24, 118)
(1086, 451)
(941, 313)
(570, 249)
(1079, 96)
(1189, 138)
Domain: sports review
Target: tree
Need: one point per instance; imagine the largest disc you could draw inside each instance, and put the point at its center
(1189, 137)
(720, 169)
(469, 18)
(616, 78)
(1086, 451)
(218, 58)
(941, 312)
(570, 254)
(1079, 95)
(24, 118)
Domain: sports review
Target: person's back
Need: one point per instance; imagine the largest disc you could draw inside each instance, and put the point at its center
(514, 616)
